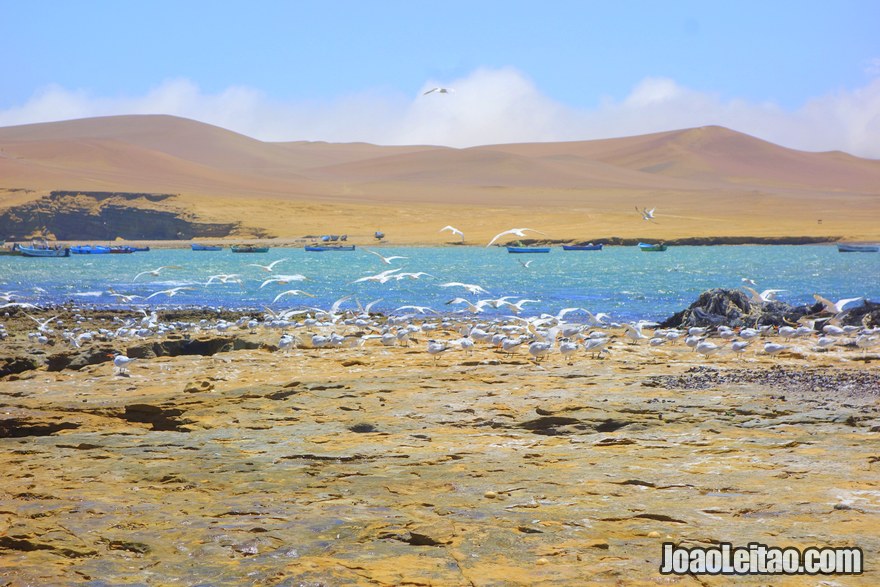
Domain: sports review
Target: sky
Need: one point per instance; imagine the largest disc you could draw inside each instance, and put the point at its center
(804, 74)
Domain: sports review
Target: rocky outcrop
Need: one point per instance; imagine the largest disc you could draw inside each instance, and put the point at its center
(70, 215)
(731, 307)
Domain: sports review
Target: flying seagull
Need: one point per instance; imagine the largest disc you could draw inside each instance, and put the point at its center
(517, 231)
(439, 91)
(453, 230)
(646, 214)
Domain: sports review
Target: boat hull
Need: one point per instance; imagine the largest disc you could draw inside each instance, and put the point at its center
(528, 249)
(32, 252)
(649, 248)
(249, 249)
(841, 248)
(89, 250)
(320, 248)
(582, 247)
(206, 247)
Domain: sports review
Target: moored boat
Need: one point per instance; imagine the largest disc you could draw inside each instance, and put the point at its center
(651, 248)
(857, 248)
(587, 247)
(319, 248)
(528, 249)
(201, 247)
(89, 250)
(121, 250)
(42, 248)
(249, 249)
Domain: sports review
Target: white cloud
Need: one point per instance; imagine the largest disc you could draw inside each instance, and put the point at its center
(489, 106)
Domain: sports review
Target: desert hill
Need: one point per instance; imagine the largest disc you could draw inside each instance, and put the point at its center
(708, 181)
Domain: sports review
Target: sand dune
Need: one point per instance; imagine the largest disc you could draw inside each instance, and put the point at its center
(703, 181)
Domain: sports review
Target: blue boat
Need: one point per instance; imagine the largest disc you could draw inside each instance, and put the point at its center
(320, 248)
(857, 248)
(528, 249)
(200, 247)
(589, 247)
(651, 248)
(89, 250)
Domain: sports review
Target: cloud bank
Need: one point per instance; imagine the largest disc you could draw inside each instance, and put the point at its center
(488, 106)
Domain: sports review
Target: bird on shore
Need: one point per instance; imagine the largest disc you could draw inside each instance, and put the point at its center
(517, 231)
(772, 348)
(439, 91)
(268, 267)
(386, 260)
(634, 333)
(436, 347)
(453, 230)
(121, 363)
(706, 348)
(155, 272)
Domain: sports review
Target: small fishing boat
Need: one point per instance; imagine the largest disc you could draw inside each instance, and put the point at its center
(121, 250)
(320, 248)
(528, 249)
(89, 250)
(249, 249)
(42, 248)
(201, 247)
(588, 247)
(139, 249)
(652, 248)
(856, 248)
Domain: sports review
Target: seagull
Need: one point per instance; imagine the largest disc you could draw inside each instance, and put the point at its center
(771, 348)
(435, 348)
(44, 325)
(706, 348)
(768, 295)
(472, 308)
(380, 277)
(634, 333)
(646, 214)
(834, 307)
(170, 292)
(419, 309)
(292, 292)
(439, 91)
(284, 279)
(121, 362)
(474, 289)
(124, 298)
(386, 260)
(517, 307)
(155, 272)
(268, 267)
(517, 231)
(453, 230)
(525, 264)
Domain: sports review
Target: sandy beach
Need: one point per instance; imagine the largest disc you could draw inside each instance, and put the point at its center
(219, 459)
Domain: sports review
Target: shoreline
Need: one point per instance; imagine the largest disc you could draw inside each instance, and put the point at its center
(613, 241)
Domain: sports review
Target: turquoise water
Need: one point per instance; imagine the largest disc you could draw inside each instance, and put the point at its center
(622, 281)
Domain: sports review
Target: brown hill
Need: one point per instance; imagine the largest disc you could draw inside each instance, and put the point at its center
(704, 182)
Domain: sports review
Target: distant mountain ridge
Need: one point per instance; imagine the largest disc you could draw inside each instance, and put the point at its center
(158, 152)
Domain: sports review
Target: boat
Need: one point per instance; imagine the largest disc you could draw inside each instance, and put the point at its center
(121, 250)
(319, 248)
(528, 249)
(249, 249)
(854, 248)
(200, 247)
(41, 248)
(140, 249)
(89, 250)
(589, 247)
(651, 248)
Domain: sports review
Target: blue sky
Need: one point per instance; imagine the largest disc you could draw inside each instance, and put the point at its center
(805, 74)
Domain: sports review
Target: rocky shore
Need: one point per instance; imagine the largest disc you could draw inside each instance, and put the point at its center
(219, 458)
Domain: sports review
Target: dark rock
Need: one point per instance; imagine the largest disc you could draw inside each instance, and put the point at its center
(80, 358)
(22, 427)
(16, 365)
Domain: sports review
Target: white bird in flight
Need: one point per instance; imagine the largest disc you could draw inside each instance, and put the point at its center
(292, 292)
(835, 307)
(768, 295)
(474, 289)
(646, 214)
(386, 260)
(284, 279)
(170, 292)
(155, 272)
(268, 267)
(453, 230)
(517, 231)
(439, 91)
